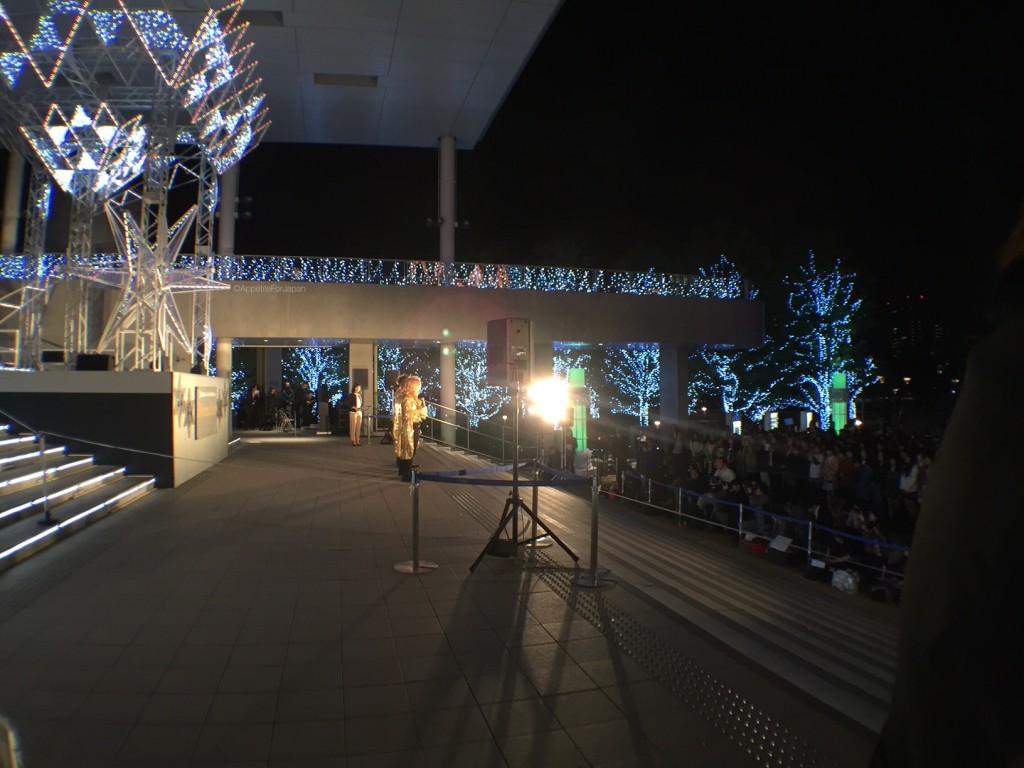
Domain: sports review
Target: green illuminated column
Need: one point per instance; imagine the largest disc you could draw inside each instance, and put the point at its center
(580, 399)
(838, 397)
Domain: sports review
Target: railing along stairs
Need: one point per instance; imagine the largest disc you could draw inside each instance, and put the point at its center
(47, 493)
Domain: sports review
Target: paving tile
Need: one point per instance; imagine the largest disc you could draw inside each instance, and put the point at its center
(328, 704)
(443, 693)
(268, 628)
(242, 708)
(176, 708)
(438, 667)
(258, 655)
(100, 740)
(372, 672)
(236, 742)
(190, 680)
(355, 650)
(412, 758)
(105, 707)
(515, 718)
(380, 734)
(158, 741)
(448, 726)
(552, 749)
(376, 700)
(476, 754)
(251, 679)
(583, 707)
(310, 739)
(314, 652)
(614, 741)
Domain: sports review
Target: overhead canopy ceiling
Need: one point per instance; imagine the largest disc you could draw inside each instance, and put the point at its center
(389, 72)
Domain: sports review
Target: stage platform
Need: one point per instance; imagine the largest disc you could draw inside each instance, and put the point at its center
(252, 616)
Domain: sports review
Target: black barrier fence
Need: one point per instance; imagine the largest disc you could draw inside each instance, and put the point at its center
(822, 546)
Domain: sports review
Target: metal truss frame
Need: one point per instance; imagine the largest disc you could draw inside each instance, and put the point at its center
(144, 67)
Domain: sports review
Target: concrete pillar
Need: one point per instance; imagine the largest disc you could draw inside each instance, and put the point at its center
(224, 359)
(272, 369)
(14, 189)
(446, 197)
(362, 369)
(675, 381)
(448, 392)
(228, 211)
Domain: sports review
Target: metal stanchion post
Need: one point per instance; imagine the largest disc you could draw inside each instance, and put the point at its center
(810, 540)
(48, 519)
(650, 486)
(415, 565)
(544, 541)
(739, 532)
(593, 579)
(679, 506)
(536, 498)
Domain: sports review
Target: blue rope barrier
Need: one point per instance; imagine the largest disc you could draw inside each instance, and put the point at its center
(461, 476)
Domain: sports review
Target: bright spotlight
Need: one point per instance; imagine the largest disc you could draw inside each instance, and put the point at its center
(549, 399)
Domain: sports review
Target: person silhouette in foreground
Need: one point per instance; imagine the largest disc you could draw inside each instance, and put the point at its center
(959, 693)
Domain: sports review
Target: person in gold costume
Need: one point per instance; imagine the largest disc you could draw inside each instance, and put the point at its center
(410, 410)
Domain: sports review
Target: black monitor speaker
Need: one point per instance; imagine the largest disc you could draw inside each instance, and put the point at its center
(51, 356)
(94, 362)
(509, 351)
(361, 376)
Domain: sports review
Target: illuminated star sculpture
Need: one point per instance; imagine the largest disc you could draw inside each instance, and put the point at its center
(146, 323)
(104, 92)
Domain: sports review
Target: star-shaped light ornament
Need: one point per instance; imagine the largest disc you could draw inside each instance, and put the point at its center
(147, 323)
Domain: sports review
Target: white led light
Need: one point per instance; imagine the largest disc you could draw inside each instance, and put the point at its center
(70, 521)
(18, 440)
(58, 133)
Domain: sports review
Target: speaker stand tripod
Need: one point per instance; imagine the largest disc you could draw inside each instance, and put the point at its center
(514, 504)
(510, 514)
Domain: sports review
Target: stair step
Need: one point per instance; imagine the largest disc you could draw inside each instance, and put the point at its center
(30, 475)
(11, 443)
(59, 490)
(26, 537)
(26, 454)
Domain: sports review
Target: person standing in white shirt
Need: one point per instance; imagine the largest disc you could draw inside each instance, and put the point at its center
(355, 414)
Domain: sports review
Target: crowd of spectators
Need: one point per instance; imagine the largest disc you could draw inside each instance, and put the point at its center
(862, 488)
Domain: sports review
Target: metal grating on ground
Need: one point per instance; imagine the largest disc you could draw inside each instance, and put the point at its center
(764, 738)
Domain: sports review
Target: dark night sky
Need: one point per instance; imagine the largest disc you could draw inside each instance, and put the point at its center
(643, 135)
(646, 134)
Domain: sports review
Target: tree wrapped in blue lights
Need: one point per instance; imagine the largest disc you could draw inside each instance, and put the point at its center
(422, 362)
(566, 359)
(746, 381)
(472, 393)
(634, 373)
(241, 383)
(316, 366)
(819, 333)
(743, 380)
(722, 280)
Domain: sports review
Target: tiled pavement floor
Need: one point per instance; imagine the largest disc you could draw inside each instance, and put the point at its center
(253, 617)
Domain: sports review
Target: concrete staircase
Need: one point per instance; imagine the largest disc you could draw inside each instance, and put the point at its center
(46, 498)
